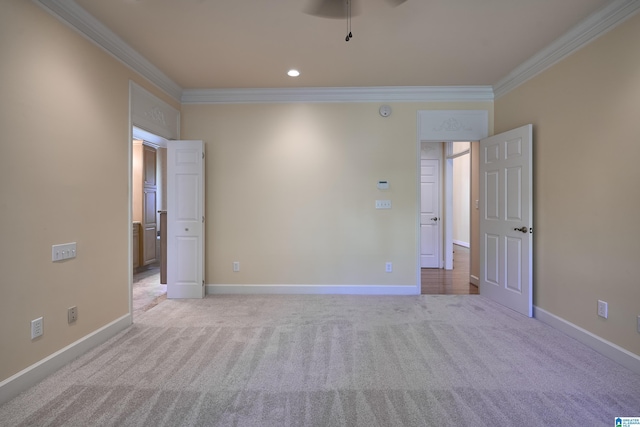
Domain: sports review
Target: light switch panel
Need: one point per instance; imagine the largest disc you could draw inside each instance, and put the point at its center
(62, 252)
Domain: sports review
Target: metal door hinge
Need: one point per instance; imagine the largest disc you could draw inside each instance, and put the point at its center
(203, 154)
(203, 218)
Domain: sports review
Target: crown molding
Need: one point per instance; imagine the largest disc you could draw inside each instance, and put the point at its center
(614, 13)
(588, 30)
(339, 94)
(69, 12)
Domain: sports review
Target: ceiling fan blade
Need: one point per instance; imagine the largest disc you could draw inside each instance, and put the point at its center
(395, 3)
(335, 9)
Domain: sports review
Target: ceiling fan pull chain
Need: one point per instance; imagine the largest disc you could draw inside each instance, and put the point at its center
(349, 36)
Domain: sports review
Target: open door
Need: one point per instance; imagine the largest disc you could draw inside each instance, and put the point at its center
(185, 219)
(506, 219)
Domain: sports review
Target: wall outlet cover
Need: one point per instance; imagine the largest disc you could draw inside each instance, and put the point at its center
(72, 314)
(37, 327)
(603, 309)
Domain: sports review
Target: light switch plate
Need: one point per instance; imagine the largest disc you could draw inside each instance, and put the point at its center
(383, 204)
(64, 251)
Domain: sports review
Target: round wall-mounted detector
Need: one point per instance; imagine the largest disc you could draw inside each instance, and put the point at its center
(385, 111)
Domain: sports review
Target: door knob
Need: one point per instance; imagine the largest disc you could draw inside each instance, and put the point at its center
(435, 218)
(522, 229)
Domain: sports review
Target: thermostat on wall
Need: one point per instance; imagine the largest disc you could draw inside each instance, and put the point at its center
(383, 185)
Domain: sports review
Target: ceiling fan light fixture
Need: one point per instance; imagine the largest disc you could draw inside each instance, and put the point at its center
(293, 73)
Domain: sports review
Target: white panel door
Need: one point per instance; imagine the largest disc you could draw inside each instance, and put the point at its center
(506, 219)
(185, 219)
(429, 214)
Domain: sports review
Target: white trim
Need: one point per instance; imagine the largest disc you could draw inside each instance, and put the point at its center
(606, 348)
(418, 230)
(129, 223)
(82, 21)
(35, 373)
(461, 243)
(474, 280)
(152, 114)
(452, 125)
(312, 290)
(588, 30)
(339, 94)
(439, 126)
(607, 18)
(149, 138)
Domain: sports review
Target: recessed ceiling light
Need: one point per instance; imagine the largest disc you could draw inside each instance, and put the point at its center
(293, 73)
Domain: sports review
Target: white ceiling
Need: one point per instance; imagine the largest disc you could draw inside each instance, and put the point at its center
(252, 43)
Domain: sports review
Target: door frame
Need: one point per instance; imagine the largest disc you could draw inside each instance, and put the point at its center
(441, 126)
(445, 198)
(153, 120)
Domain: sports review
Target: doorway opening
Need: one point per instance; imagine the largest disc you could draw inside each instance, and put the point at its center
(148, 178)
(449, 218)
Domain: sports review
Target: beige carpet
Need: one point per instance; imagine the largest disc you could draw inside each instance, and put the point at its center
(147, 290)
(333, 360)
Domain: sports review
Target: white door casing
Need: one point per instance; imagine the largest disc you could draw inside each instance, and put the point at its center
(434, 127)
(429, 214)
(506, 219)
(185, 219)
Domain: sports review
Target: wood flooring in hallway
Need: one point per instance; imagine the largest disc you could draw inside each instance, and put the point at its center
(438, 281)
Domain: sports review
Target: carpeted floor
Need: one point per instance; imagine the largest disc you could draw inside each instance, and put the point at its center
(147, 290)
(296, 360)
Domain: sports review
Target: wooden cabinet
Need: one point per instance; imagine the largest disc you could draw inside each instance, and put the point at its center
(136, 245)
(145, 192)
(163, 247)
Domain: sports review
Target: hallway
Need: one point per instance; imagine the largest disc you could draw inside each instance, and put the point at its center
(438, 281)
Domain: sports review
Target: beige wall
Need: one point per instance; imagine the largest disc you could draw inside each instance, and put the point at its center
(586, 152)
(461, 195)
(291, 190)
(63, 177)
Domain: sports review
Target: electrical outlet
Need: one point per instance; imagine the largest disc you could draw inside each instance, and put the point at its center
(236, 266)
(603, 309)
(37, 327)
(72, 314)
(388, 267)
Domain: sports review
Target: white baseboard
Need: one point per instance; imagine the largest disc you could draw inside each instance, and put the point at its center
(606, 348)
(35, 373)
(461, 243)
(474, 280)
(313, 289)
